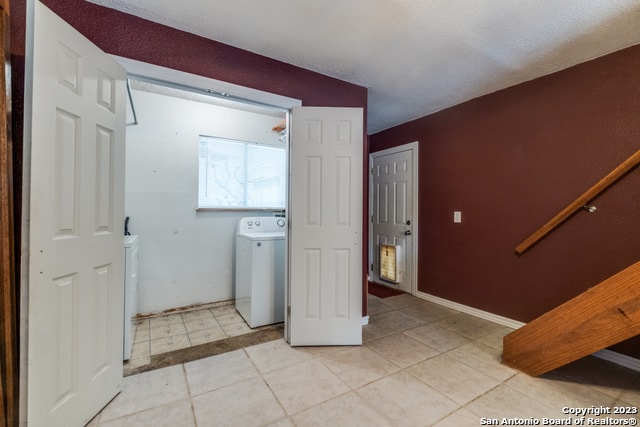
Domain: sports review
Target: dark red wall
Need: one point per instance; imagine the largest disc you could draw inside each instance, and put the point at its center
(510, 161)
(125, 35)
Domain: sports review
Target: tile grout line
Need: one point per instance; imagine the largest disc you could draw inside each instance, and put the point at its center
(191, 404)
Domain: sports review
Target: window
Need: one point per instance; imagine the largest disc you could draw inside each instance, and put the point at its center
(241, 175)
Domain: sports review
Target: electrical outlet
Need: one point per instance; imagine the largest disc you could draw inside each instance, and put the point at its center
(457, 216)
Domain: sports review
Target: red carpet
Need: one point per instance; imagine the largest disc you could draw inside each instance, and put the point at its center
(382, 291)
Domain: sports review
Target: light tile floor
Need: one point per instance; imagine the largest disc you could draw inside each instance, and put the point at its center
(421, 364)
(161, 334)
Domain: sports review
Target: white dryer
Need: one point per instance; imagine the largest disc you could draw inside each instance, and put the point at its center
(259, 285)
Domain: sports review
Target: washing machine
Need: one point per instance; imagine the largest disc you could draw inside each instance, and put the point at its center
(259, 285)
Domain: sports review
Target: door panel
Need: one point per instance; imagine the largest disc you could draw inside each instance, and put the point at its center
(392, 216)
(76, 207)
(325, 236)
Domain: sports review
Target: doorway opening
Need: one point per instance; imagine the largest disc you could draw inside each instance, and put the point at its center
(185, 294)
(393, 212)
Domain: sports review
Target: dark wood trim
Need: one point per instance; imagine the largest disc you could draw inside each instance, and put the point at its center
(602, 316)
(8, 296)
(581, 201)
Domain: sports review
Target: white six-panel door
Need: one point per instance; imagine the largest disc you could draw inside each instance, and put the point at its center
(76, 254)
(325, 235)
(392, 216)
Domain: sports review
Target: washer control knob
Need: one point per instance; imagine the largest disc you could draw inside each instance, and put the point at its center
(257, 223)
(280, 223)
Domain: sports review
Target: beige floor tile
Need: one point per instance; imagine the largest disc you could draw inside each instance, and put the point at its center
(469, 326)
(137, 362)
(201, 324)
(140, 323)
(229, 319)
(357, 366)
(168, 319)
(140, 349)
(556, 391)
(484, 359)
(172, 414)
(141, 335)
(304, 385)
(322, 351)
(165, 331)
(249, 403)
(494, 339)
(345, 410)
(224, 309)
(631, 395)
(377, 306)
(396, 320)
(284, 422)
(438, 338)
(204, 313)
(406, 401)
(164, 345)
(453, 379)
(147, 390)
(403, 300)
(461, 417)
(604, 376)
(276, 354)
(219, 371)
(507, 402)
(428, 311)
(236, 329)
(372, 332)
(208, 335)
(401, 350)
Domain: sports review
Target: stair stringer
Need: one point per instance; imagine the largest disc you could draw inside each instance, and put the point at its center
(603, 315)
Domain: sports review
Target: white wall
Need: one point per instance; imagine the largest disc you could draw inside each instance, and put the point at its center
(186, 257)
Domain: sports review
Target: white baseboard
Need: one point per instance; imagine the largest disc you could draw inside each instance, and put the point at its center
(365, 320)
(608, 355)
(470, 310)
(618, 359)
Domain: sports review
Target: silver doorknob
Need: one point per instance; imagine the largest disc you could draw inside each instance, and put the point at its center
(407, 233)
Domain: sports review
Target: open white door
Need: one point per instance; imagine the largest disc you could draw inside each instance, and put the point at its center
(76, 253)
(325, 232)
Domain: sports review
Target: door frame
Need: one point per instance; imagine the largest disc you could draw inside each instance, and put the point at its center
(413, 147)
(8, 297)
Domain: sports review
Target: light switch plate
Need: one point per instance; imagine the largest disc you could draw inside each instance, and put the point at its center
(457, 216)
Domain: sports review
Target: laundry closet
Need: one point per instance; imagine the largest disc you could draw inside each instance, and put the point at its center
(187, 251)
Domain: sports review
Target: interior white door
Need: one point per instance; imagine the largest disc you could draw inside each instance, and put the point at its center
(76, 251)
(392, 216)
(325, 226)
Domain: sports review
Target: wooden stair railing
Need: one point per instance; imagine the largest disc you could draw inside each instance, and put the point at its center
(580, 202)
(604, 315)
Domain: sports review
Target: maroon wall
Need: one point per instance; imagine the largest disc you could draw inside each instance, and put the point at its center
(512, 160)
(125, 35)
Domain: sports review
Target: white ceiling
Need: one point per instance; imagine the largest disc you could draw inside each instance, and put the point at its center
(415, 57)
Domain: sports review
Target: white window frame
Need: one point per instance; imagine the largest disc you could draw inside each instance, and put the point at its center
(246, 145)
